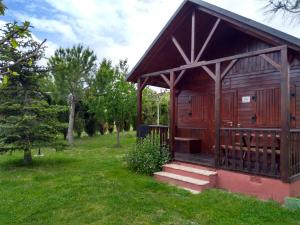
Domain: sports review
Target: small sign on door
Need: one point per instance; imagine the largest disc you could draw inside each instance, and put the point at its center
(246, 99)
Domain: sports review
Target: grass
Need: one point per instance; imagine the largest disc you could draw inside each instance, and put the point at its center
(90, 184)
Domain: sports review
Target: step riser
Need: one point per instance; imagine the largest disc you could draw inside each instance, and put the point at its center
(211, 179)
(181, 183)
(194, 166)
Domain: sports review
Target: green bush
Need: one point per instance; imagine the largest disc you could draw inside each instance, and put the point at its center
(148, 156)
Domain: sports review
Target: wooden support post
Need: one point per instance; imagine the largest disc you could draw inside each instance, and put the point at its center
(193, 34)
(172, 115)
(139, 103)
(217, 113)
(285, 116)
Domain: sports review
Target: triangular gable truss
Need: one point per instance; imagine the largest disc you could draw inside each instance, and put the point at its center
(192, 58)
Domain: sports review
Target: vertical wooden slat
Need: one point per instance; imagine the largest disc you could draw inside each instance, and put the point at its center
(226, 139)
(285, 115)
(234, 149)
(273, 152)
(193, 36)
(139, 103)
(296, 149)
(248, 136)
(257, 152)
(241, 149)
(217, 112)
(265, 152)
(172, 114)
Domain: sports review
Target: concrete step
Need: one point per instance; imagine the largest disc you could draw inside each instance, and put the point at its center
(194, 165)
(182, 181)
(192, 172)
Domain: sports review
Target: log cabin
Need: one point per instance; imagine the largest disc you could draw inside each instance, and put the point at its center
(234, 110)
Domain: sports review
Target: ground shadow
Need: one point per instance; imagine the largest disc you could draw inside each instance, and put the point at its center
(37, 163)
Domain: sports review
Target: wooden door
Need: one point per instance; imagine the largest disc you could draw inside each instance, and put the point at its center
(228, 109)
(267, 108)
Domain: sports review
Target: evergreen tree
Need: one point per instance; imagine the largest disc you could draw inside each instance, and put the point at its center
(27, 120)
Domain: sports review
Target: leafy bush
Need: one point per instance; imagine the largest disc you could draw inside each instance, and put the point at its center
(148, 156)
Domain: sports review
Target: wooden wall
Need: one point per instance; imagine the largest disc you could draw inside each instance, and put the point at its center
(252, 79)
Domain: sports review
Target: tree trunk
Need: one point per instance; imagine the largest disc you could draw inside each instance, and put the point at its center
(118, 137)
(27, 157)
(70, 135)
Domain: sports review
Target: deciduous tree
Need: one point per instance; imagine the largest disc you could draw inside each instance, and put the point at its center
(72, 69)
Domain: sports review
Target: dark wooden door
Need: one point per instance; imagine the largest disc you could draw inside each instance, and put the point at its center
(228, 109)
(267, 108)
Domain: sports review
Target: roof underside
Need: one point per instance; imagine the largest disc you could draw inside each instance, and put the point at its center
(162, 54)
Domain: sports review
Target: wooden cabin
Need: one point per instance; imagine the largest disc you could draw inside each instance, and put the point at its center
(234, 99)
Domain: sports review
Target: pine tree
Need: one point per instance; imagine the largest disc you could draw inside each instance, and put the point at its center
(27, 120)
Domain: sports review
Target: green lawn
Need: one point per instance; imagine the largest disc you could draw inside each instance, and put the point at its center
(91, 185)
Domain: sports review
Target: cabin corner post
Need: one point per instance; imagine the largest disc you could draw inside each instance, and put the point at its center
(139, 103)
(172, 115)
(285, 116)
(218, 88)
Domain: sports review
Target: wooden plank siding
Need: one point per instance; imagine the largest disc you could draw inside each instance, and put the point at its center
(252, 77)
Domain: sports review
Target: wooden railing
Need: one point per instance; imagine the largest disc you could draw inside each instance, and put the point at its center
(294, 152)
(251, 150)
(160, 131)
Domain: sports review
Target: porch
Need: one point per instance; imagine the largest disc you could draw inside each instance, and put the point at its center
(254, 151)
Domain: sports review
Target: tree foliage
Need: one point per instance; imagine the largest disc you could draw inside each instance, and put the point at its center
(72, 69)
(291, 7)
(121, 98)
(27, 120)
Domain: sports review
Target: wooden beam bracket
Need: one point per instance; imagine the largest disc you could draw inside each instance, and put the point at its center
(228, 68)
(209, 72)
(143, 85)
(166, 79)
(271, 61)
(179, 77)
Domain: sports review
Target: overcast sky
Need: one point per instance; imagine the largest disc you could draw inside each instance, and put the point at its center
(117, 28)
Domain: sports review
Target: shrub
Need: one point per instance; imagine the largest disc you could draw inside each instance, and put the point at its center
(148, 156)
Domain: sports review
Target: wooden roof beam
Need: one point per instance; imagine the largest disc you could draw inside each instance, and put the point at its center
(179, 48)
(224, 59)
(247, 29)
(211, 33)
(193, 36)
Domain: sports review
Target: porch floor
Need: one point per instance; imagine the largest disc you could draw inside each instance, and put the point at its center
(204, 159)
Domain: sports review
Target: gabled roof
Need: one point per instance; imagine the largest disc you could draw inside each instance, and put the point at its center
(268, 32)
